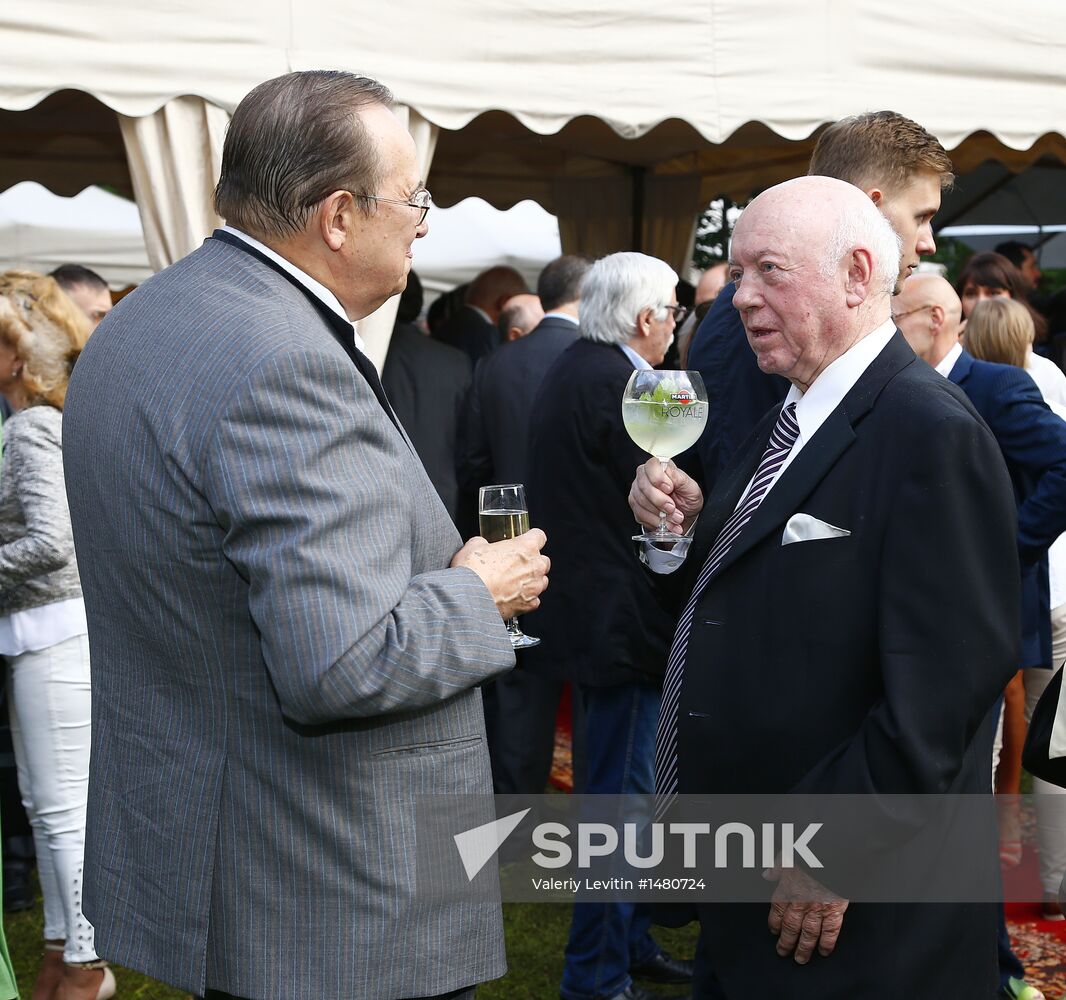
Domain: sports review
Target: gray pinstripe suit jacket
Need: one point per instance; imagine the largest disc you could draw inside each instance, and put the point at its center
(281, 660)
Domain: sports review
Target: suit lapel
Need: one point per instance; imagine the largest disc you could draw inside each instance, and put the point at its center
(817, 456)
(342, 330)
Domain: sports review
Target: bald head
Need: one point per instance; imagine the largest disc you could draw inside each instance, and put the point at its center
(815, 263)
(491, 289)
(519, 316)
(928, 312)
(711, 282)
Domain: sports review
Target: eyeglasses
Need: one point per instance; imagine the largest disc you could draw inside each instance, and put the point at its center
(422, 200)
(680, 312)
(910, 312)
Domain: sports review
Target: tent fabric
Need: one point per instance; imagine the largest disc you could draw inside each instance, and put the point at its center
(175, 157)
(716, 65)
(39, 231)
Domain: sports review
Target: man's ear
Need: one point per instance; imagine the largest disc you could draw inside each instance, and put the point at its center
(644, 321)
(335, 215)
(859, 277)
(937, 316)
(877, 196)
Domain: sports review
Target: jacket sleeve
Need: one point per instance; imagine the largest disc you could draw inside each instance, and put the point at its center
(305, 477)
(33, 461)
(1033, 441)
(948, 625)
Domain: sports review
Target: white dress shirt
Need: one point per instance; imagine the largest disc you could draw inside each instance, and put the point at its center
(947, 362)
(638, 362)
(1048, 377)
(316, 288)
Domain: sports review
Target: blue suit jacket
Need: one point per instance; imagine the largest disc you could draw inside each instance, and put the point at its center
(1033, 442)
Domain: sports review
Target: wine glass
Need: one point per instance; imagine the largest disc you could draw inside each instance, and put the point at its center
(502, 514)
(664, 412)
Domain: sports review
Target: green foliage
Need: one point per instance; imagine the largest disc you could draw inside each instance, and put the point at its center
(536, 938)
(713, 229)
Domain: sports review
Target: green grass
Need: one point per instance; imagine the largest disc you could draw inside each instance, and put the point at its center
(536, 936)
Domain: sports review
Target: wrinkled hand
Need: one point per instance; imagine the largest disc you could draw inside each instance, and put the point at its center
(804, 913)
(514, 570)
(672, 491)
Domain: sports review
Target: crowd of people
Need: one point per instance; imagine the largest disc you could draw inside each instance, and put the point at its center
(258, 545)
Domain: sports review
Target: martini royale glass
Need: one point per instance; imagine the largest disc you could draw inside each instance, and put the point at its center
(664, 413)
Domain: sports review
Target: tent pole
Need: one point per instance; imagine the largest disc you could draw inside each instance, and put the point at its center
(636, 176)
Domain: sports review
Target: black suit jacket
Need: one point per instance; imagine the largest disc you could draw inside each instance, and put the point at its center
(602, 620)
(1033, 442)
(861, 664)
(468, 330)
(496, 439)
(427, 384)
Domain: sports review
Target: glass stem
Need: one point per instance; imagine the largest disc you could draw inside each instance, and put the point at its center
(663, 463)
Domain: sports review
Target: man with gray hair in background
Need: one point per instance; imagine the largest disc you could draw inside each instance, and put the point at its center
(286, 630)
(849, 607)
(603, 628)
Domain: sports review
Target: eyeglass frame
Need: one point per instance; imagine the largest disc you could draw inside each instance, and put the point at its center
(424, 209)
(680, 313)
(910, 312)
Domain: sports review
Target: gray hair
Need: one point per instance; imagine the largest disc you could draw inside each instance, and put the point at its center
(865, 227)
(617, 289)
(292, 142)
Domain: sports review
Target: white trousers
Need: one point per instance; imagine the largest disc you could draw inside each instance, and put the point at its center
(49, 700)
(1050, 799)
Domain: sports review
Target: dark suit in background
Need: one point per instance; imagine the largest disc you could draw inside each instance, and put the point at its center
(738, 393)
(603, 625)
(470, 331)
(859, 664)
(427, 384)
(520, 709)
(1033, 442)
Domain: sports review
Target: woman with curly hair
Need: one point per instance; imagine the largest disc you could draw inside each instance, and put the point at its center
(43, 633)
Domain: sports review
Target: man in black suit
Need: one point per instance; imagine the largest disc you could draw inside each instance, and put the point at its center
(473, 327)
(427, 384)
(520, 713)
(604, 628)
(852, 609)
(902, 168)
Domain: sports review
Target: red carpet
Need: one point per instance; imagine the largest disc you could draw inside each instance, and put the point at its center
(562, 776)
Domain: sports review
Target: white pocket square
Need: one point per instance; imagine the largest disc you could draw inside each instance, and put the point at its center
(804, 528)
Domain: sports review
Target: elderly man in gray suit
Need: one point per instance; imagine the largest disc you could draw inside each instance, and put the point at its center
(287, 634)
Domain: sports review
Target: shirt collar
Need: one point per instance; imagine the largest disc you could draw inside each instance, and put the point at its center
(947, 362)
(837, 380)
(638, 362)
(481, 312)
(559, 315)
(316, 288)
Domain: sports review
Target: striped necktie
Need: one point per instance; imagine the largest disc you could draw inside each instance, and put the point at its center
(782, 438)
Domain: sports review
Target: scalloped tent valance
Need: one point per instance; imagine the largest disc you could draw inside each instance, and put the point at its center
(621, 119)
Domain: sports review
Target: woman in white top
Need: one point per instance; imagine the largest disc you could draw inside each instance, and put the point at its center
(42, 622)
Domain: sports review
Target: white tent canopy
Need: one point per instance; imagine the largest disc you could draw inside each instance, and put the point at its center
(622, 119)
(40, 230)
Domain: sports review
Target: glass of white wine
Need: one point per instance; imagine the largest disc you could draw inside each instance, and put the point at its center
(503, 514)
(664, 413)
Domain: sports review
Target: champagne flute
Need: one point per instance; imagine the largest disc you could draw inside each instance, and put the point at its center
(502, 514)
(664, 412)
